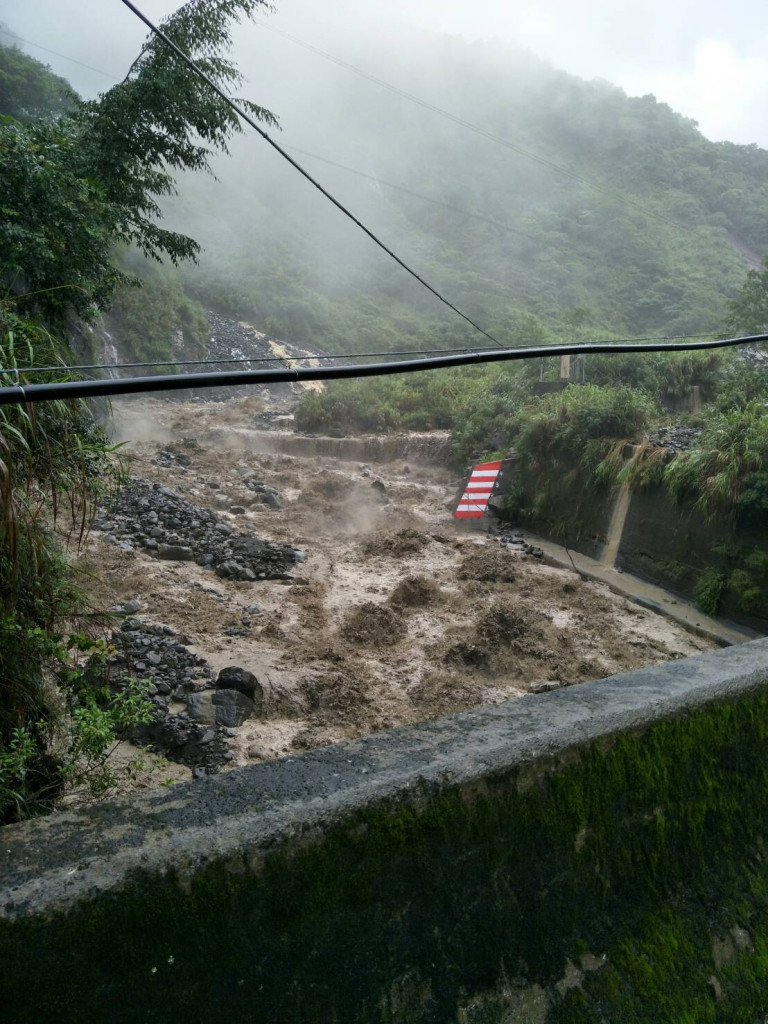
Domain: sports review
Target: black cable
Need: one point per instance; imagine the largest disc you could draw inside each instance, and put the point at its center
(416, 195)
(243, 359)
(60, 367)
(294, 163)
(18, 394)
(28, 42)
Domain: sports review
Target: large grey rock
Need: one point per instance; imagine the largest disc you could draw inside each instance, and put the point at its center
(232, 707)
(201, 709)
(175, 553)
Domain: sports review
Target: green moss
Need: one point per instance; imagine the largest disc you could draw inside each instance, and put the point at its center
(411, 911)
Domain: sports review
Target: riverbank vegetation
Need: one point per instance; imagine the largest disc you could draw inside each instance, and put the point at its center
(80, 185)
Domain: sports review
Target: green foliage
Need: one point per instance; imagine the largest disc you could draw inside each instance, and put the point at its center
(749, 310)
(423, 401)
(576, 426)
(149, 313)
(57, 227)
(70, 188)
(28, 89)
(708, 591)
(68, 746)
(163, 119)
(55, 463)
(724, 475)
(569, 447)
(661, 375)
(742, 383)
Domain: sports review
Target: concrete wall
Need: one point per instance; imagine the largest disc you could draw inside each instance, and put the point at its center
(593, 854)
(665, 545)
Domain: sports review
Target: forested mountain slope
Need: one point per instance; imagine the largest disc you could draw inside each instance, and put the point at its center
(593, 212)
(544, 206)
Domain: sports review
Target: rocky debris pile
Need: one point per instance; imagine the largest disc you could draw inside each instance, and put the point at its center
(168, 459)
(512, 538)
(268, 496)
(155, 654)
(215, 705)
(675, 439)
(234, 339)
(160, 521)
(238, 696)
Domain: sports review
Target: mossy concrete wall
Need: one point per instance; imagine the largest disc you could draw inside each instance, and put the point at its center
(593, 854)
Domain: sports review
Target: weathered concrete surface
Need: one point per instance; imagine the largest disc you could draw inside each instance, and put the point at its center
(50, 863)
(676, 608)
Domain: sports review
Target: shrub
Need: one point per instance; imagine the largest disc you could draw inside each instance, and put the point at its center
(725, 475)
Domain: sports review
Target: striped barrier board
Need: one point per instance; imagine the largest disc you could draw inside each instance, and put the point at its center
(479, 488)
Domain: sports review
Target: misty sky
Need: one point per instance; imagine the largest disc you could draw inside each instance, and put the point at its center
(705, 58)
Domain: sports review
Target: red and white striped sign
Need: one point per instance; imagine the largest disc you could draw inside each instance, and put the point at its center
(474, 500)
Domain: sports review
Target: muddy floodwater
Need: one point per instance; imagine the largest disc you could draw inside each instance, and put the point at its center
(391, 615)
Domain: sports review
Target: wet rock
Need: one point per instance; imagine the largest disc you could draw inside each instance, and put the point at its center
(201, 709)
(544, 687)
(232, 707)
(175, 553)
(235, 678)
(157, 518)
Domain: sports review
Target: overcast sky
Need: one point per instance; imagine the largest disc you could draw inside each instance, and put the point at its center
(706, 58)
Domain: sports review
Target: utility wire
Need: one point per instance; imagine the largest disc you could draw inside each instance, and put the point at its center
(28, 42)
(492, 136)
(19, 394)
(416, 195)
(294, 163)
(62, 367)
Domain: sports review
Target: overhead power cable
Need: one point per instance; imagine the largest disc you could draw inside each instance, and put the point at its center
(72, 60)
(294, 163)
(19, 394)
(486, 133)
(416, 195)
(65, 368)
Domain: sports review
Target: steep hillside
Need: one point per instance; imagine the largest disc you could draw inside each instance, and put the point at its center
(572, 203)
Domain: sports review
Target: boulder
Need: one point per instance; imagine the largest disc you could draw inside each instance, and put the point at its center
(175, 553)
(201, 709)
(235, 678)
(232, 707)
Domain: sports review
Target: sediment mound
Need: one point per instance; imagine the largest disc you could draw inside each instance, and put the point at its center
(488, 565)
(373, 624)
(415, 592)
(396, 545)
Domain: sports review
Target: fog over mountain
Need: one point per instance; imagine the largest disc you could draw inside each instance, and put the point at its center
(705, 58)
(540, 200)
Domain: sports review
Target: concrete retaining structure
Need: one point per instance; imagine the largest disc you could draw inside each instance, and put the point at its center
(595, 853)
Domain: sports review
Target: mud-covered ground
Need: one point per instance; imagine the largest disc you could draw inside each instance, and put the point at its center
(396, 615)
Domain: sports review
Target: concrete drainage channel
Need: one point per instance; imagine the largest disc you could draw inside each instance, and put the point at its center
(543, 860)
